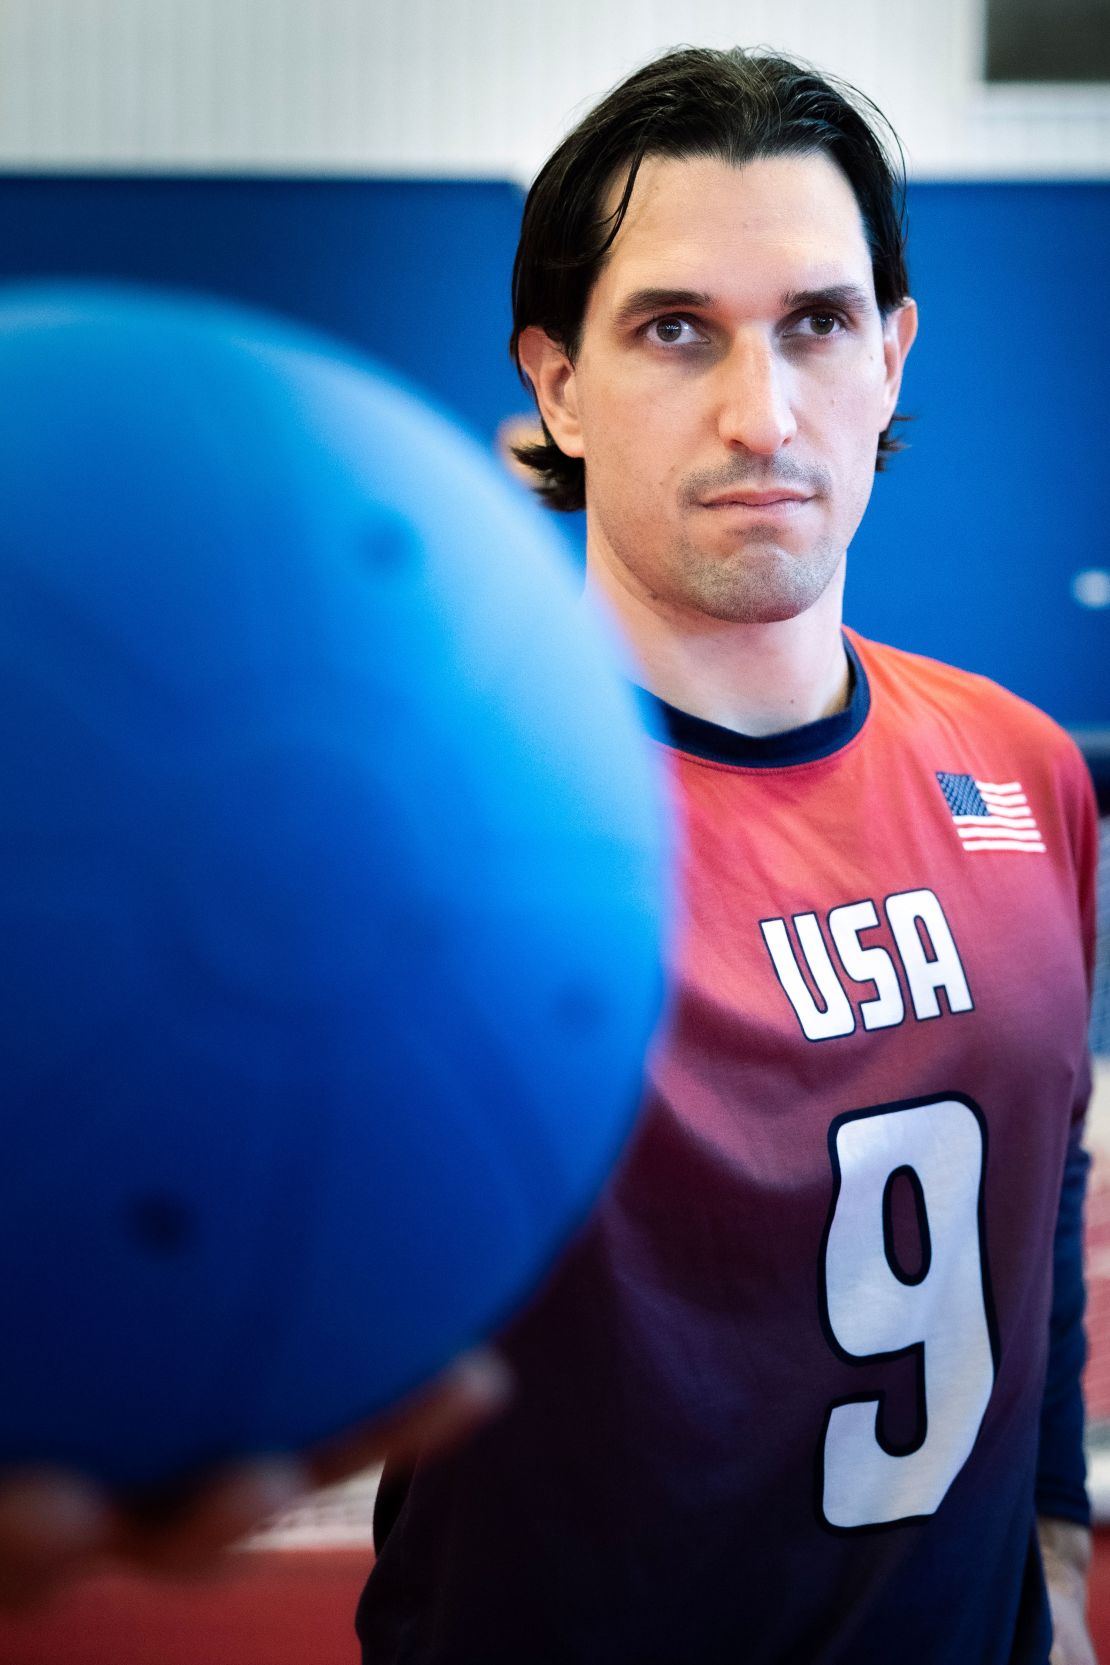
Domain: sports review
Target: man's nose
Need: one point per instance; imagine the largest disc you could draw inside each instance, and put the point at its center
(755, 409)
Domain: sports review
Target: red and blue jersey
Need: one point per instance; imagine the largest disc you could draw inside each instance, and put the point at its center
(800, 1386)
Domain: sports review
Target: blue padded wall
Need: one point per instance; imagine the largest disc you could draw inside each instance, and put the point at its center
(973, 536)
(414, 272)
(975, 533)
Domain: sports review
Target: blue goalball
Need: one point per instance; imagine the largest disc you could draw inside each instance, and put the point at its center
(334, 876)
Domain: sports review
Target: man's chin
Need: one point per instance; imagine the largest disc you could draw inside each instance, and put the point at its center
(768, 590)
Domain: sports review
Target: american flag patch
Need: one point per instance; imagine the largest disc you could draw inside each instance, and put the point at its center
(990, 816)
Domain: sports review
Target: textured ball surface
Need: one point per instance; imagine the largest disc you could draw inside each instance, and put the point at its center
(334, 871)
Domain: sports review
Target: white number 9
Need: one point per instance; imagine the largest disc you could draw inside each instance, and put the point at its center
(875, 1309)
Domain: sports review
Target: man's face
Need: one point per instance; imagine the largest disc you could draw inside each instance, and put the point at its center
(732, 380)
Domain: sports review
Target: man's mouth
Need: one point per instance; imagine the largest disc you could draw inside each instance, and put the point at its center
(776, 498)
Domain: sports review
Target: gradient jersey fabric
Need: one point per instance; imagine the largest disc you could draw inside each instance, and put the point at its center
(798, 1389)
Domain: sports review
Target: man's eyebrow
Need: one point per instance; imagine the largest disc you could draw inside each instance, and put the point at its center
(642, 301)
(850, 296)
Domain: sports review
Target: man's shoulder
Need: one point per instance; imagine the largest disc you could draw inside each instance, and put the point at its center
(916, 681)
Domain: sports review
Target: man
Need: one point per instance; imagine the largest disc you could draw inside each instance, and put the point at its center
(786, 1401)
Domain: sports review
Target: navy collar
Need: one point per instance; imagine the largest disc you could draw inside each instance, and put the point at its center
(700, 738)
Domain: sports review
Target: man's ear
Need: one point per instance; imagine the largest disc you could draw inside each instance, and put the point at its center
(899, 329)
(549, 369)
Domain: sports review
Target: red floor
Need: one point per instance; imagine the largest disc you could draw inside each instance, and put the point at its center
(280, 1608)
(1100, 1595)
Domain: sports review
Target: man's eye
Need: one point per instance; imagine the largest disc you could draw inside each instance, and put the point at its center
(673, 331)
(818, 323)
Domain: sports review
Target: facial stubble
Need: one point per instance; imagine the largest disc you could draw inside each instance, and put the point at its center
(755, 582)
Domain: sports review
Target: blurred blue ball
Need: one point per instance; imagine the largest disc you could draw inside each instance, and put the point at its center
(334, 871)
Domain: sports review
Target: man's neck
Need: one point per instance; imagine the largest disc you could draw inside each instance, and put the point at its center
(755, 679)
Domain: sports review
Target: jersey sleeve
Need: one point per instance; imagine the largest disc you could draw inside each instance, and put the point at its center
(1061, 1466)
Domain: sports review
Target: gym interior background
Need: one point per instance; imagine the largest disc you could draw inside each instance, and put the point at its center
(361, 164)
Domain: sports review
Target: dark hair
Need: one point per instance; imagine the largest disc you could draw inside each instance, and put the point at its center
(734, 105)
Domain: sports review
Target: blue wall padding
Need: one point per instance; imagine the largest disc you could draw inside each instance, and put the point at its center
(972, 539)
(413, 271)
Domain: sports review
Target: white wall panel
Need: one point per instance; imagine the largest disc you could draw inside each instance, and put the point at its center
(478, 86)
